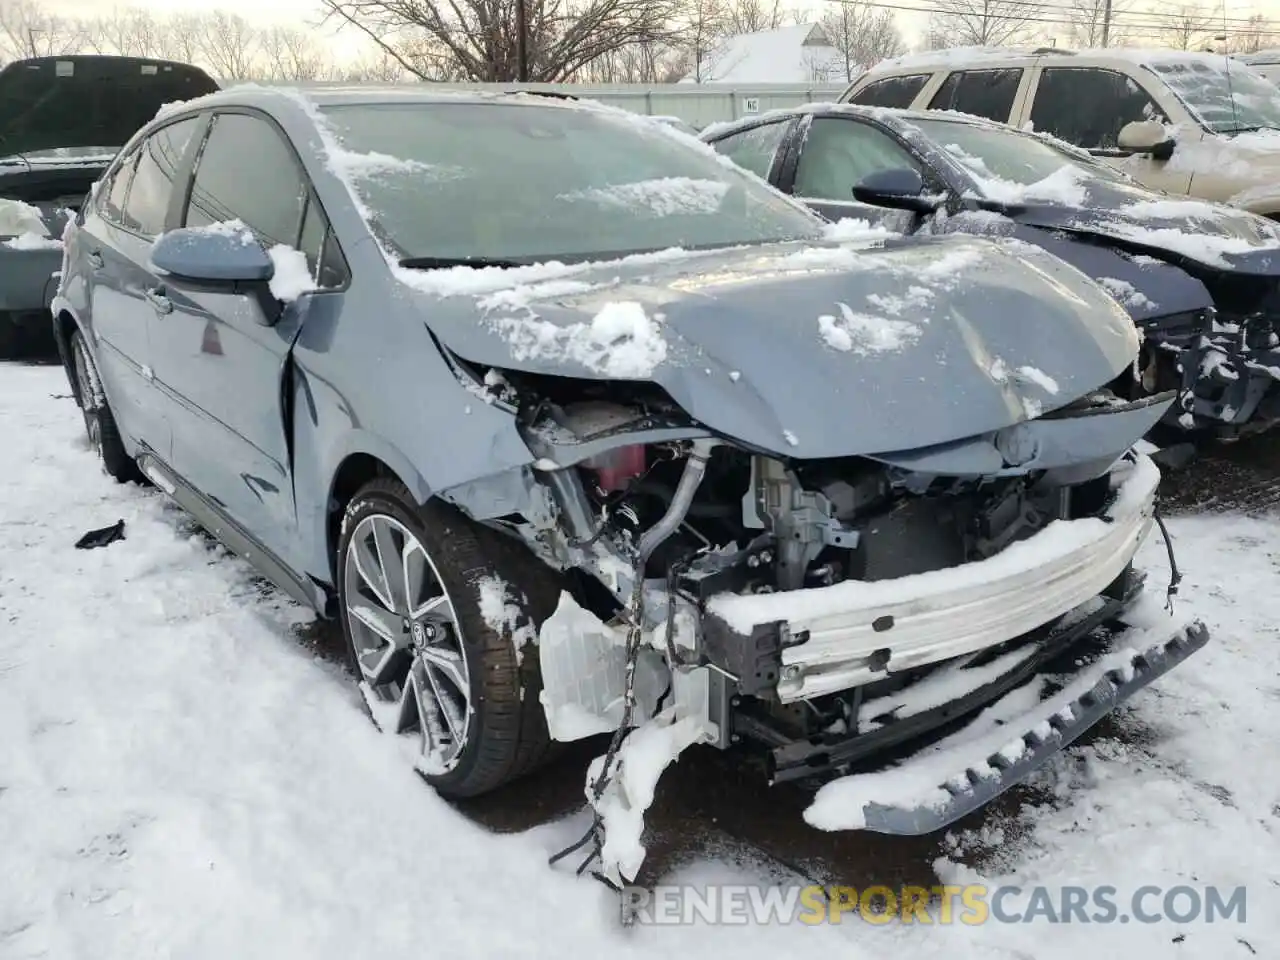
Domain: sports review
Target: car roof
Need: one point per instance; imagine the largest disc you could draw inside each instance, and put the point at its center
(265, 95)
(962, 58)
(884, 114)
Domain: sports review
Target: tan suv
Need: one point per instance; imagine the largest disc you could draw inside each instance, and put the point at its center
(1185, 123)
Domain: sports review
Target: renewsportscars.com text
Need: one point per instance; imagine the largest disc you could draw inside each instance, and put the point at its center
(972, 904)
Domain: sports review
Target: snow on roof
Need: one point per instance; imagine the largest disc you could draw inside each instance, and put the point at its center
(794, 54)
(993, 56)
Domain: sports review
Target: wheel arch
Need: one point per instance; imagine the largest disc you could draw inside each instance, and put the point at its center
(358, 465)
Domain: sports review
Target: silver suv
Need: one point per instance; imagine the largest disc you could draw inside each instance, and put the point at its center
(1195, 124)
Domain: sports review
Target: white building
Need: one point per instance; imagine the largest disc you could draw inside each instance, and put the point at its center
(795, 54)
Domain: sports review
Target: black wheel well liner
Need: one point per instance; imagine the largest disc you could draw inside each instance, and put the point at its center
(354, 472)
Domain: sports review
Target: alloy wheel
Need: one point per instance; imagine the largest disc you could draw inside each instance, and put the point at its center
(406, 638)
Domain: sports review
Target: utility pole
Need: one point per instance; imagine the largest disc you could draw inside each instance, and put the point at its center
(522, 42)
(1106, 22)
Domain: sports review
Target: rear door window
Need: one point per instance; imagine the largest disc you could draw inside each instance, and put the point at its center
(159, 159)
(891, 91)
(982, 93)
(1087, 106)
(755, 149)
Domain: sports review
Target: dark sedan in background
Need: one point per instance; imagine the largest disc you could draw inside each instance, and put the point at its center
(1201, 281)
(62, 120)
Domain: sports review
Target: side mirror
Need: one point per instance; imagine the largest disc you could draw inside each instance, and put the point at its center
(1146, 136)
(214, 256)
(900, 188)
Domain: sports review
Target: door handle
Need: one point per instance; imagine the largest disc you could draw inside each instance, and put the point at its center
(158, 300)
(96, 261)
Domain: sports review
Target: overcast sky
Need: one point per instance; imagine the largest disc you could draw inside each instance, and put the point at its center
(302, 13)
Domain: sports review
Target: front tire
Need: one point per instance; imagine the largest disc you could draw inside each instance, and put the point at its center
(412, 585)
(99, 421)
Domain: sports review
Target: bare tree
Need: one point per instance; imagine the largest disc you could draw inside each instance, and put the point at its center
(703, 26)
(862, 35)
(378, 67)
(479, 39)
(752, 16)
(285, 53)
(229, 44)
(1088, 24)
(978, 23)
(127, 31)
(1187, 27)
(28, 30)
(1258, 33)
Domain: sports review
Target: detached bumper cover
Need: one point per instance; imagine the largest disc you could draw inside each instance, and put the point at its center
(846, 635)
(938, 786)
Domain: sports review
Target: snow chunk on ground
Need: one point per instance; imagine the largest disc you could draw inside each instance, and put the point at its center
(292, 277)
(663, 196)
(18, 218)
(33, 241)
(1126, 293)
(638, 765)
(620, 341)
(864, 333)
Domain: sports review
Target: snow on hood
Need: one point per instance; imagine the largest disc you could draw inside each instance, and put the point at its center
(814, 349)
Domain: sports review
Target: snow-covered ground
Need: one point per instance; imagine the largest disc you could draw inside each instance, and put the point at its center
(179, 777)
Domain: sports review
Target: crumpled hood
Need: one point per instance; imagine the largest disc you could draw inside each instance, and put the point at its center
(1204, 233)
(819, 349)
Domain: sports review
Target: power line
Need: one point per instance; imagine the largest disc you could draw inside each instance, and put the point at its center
(1177, 21)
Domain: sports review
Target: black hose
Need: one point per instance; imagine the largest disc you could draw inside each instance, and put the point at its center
(1175, 575)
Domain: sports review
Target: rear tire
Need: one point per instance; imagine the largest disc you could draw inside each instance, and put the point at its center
(415, 658)
(99, 421)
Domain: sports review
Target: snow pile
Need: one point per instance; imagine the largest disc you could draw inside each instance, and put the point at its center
(18, 218)
(1065, 186)
(621, 340)
(855, 229)
(864, 333)
(33, 241)
(292, 276)
(663, 196)
(633, 777)
(1126, 293)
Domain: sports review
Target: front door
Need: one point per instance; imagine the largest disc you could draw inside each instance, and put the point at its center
(835, 155)
(222, 352)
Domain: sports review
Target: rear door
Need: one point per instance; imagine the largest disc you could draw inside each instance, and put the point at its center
(992, 93)
(221, 353)
(128, 211)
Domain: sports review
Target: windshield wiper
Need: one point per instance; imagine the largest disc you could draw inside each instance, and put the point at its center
(444, 263)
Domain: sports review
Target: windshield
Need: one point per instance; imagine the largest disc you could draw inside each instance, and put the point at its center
(1222, 100)
(516, 182)
(995, 154)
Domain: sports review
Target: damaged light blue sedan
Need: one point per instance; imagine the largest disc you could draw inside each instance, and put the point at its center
(579, 429)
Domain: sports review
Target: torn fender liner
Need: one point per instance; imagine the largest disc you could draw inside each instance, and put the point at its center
(967, 770)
